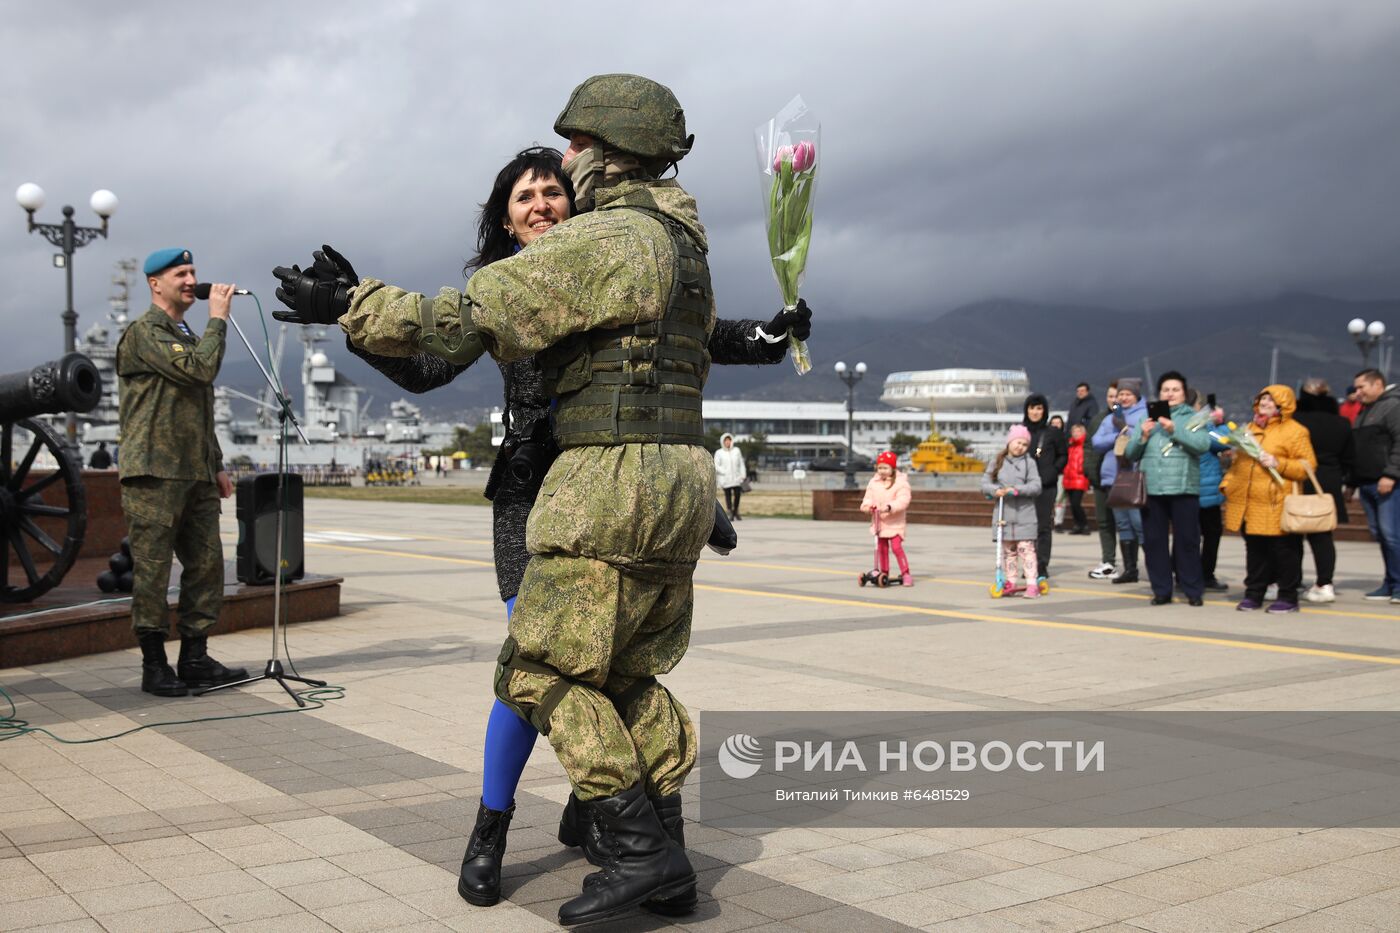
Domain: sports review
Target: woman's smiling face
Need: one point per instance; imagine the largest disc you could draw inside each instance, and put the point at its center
(537, 203)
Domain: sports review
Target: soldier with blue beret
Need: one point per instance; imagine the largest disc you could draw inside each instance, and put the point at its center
(163, 259)
(172, 472)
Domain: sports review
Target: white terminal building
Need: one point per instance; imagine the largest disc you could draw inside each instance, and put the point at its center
(980, 405)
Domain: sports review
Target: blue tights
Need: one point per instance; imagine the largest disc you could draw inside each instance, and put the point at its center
(509, 741)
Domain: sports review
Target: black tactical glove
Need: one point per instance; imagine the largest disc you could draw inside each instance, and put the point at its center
(795, 323)
(319, 294)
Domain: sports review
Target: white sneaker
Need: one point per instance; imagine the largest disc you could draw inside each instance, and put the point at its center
(1102, 572)
(1321, 594)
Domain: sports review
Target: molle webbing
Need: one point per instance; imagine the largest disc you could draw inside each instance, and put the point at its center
(659, 403)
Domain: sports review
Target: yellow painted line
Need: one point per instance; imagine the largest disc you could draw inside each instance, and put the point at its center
(952, 614)
(387, 553)
(1084, 591)
(414, 536)
(1069, 626)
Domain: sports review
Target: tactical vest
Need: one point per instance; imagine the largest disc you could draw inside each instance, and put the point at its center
(639, 383)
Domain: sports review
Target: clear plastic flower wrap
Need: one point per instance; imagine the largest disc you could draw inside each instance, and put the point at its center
(789, 147)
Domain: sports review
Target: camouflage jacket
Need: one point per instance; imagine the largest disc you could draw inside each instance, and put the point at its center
(605, 268)
(166, 383)
(633, 506)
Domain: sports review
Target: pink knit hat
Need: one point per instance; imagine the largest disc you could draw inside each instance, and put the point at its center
(1018, 430)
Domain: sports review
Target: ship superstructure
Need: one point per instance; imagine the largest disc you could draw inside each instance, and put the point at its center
(334, 410)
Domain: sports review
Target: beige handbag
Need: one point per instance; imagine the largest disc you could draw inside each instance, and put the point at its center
(1305, 514)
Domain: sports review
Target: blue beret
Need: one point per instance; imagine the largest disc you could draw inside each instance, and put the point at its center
(163, 259)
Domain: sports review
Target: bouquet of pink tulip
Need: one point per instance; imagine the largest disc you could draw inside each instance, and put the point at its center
(1239, 436)
(787, 157)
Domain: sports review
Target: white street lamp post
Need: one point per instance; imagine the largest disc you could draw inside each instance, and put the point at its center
(850, 378)
(69, 237)
(1372, 336)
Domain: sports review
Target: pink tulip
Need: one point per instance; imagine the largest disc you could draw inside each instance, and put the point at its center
(804, 156)
(784, 154)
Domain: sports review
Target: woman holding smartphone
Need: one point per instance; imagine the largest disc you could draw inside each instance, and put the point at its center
(1169, 450)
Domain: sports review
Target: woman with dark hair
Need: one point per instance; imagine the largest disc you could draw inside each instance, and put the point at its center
(532, 195)
(1169, 448)
(1336, 451)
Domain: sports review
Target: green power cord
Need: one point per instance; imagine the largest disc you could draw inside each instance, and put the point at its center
(12, 727)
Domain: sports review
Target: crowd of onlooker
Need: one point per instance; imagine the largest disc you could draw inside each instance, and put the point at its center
(1169, 476)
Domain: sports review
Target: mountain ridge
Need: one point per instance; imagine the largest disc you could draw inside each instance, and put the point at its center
(1224, 348)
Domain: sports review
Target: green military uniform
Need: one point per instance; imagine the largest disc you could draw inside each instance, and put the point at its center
(169, 462)
(619, 300)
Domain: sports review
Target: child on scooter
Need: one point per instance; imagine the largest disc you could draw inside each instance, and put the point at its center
(1014, 477)
(887, 500)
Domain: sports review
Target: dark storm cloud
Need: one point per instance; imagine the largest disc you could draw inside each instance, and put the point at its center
(1133, 154)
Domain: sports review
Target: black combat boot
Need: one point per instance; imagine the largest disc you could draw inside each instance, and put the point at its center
(643, 862)
(198, 670)
(668, 811)
(578, 828)
(156, 675)
(1130, 568)
(479, 881)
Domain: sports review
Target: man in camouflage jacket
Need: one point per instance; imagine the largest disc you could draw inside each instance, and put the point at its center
(172, 473)
(617, 304)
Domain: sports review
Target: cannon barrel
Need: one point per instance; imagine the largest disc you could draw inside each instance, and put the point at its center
(70, 384)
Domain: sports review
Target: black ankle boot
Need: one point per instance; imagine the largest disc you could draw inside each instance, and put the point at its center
(156, 676)
(1130, 566)
(479, 881)
(578, 828)
(668, 811)
(643, 864)
(198, 670)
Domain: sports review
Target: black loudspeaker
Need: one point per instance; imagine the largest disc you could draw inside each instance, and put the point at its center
(257, 529)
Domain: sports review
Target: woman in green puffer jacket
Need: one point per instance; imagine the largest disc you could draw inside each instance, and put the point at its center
(1169, 450)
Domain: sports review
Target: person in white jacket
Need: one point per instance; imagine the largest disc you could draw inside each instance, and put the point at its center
(730, 474)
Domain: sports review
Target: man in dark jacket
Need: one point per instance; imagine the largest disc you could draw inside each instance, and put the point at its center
(1377, 468)
(1084, 407)
(1103, 515)
(1050, 452)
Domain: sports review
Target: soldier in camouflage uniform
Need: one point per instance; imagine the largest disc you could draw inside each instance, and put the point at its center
(172, 473)
(536, 179)
(617, 304)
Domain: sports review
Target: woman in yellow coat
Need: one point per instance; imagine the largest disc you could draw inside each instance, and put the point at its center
(1254, 500)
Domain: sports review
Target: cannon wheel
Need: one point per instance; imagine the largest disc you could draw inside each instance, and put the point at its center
(20, 504)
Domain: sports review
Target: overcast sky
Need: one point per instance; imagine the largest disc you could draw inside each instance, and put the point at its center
(1136, 153)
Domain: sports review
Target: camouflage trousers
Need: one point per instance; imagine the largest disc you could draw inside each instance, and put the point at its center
(586, 643)
(179, 517)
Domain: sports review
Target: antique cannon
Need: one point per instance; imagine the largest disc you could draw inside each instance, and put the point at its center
(69, 384)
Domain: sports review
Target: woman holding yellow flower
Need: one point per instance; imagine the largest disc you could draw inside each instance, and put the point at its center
(1254, 500)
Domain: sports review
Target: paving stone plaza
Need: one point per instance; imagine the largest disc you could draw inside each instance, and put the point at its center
(354, 817)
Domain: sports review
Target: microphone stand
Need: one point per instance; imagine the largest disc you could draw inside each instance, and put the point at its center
(274, 670)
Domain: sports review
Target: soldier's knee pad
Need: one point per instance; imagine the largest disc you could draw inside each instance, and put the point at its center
(535, 713)
(502, 690)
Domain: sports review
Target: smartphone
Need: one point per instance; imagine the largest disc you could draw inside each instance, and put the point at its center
(1157, 410)
(1210, 401)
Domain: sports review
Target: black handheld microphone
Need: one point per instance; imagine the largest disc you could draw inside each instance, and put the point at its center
(202, 290)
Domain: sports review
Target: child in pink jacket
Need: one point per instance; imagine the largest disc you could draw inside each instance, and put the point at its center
(887, 500)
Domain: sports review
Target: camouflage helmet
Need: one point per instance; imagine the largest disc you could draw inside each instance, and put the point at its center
(630, 113)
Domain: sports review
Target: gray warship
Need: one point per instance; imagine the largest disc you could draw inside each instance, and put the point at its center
(334, 412)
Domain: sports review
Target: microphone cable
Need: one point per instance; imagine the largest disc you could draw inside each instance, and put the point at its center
(13, 727)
